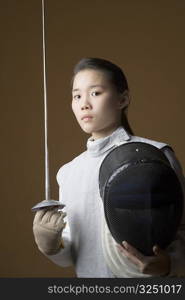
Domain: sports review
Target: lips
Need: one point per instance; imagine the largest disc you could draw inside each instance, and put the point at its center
(86, 117)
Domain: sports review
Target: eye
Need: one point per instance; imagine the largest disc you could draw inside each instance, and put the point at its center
(76, 97)
(95, 93)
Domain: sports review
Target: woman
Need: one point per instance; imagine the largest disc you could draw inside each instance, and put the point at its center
(100, 98)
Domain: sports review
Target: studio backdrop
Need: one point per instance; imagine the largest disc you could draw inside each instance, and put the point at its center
(145, 38)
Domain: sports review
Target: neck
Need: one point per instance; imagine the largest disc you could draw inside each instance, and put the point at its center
(104, 132)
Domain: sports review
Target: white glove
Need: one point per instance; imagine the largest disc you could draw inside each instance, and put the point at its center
(47, 230)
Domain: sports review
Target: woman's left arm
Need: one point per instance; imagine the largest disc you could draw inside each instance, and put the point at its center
(176, 249)
(171, 261)
(158, 264)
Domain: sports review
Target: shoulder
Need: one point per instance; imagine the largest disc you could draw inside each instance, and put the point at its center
(158, 144)
(66, 169)
(165, 147)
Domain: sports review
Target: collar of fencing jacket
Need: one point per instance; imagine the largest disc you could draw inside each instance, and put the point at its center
(99, 146)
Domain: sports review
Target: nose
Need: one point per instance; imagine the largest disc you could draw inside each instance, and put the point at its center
(85, 103)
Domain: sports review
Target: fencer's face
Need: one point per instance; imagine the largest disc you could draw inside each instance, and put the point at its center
(96, 103)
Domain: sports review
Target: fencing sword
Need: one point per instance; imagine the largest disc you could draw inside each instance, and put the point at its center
(48, 202)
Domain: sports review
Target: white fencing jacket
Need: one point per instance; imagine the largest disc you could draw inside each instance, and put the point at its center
(82, 236)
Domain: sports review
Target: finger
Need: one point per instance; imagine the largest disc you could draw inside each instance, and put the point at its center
(119, 247)
(133, 259)
(63, 214)
(54, 217)
(60, 223)
(126, 253)
(133, 251)
(58, 215)
(39, 215)
(122, 250)
(157, 250)
(49, 213)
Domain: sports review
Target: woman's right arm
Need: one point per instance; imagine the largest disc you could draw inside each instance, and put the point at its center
(63, 257)
(62, 240)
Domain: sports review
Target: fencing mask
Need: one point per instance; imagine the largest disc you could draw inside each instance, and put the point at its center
(142, 196)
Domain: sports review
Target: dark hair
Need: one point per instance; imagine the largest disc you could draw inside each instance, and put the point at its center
(114, 74)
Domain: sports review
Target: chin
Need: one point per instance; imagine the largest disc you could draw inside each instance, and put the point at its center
(87, 129)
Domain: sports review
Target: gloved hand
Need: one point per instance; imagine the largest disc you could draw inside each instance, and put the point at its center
(47, 230)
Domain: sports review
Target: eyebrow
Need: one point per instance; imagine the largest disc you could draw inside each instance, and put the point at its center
(91, 86)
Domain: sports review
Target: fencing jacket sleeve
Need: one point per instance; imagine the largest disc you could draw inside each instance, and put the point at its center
(176, 249)
(63, 258)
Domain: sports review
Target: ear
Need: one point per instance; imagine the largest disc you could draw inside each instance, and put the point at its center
(124, 100)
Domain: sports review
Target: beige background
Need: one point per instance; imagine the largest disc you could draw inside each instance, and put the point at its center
(145, 38)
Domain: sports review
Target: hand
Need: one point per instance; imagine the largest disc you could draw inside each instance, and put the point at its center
(157, 265)
(47, 230)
